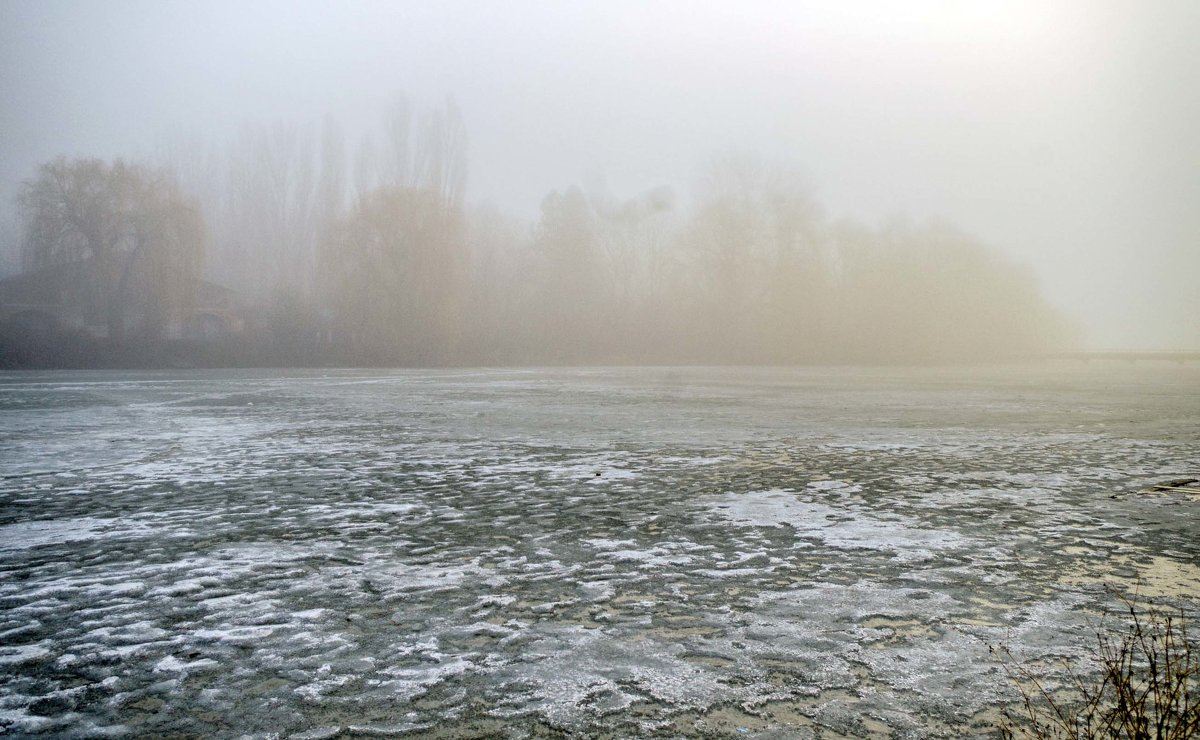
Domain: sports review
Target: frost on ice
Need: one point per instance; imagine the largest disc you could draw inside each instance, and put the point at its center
(343, 557)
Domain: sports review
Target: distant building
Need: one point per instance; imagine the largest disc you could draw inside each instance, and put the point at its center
(216, 312)
(65, 298)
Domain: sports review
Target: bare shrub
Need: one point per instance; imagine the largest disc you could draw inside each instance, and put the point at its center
(1145, 686)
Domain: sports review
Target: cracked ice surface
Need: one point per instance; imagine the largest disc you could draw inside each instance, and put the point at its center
(628, 552)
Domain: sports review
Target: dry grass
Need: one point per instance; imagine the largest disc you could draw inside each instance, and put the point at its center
(1146, 685)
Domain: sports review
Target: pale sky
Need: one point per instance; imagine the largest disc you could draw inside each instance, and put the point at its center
(1066, 134)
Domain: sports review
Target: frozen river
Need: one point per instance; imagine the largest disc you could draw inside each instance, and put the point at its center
(523, 553)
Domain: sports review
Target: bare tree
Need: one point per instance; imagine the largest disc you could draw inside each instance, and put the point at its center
(397, 262)
(633, 236)
(397, 169)
(566, 240)
(139, 240)
(272, 187)
(366, 167)
(441, 160)
(381, 296)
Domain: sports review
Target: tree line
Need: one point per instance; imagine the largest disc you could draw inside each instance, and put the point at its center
(376, 258)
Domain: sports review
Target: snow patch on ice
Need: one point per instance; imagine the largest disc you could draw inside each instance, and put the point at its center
(171, 664)
(26, 535)
(845, 528)
(15, 654)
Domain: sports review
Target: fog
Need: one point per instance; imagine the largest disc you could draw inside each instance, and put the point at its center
(625, 182)
(599, 368)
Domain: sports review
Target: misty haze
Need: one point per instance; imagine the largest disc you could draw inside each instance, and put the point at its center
(599, 369)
